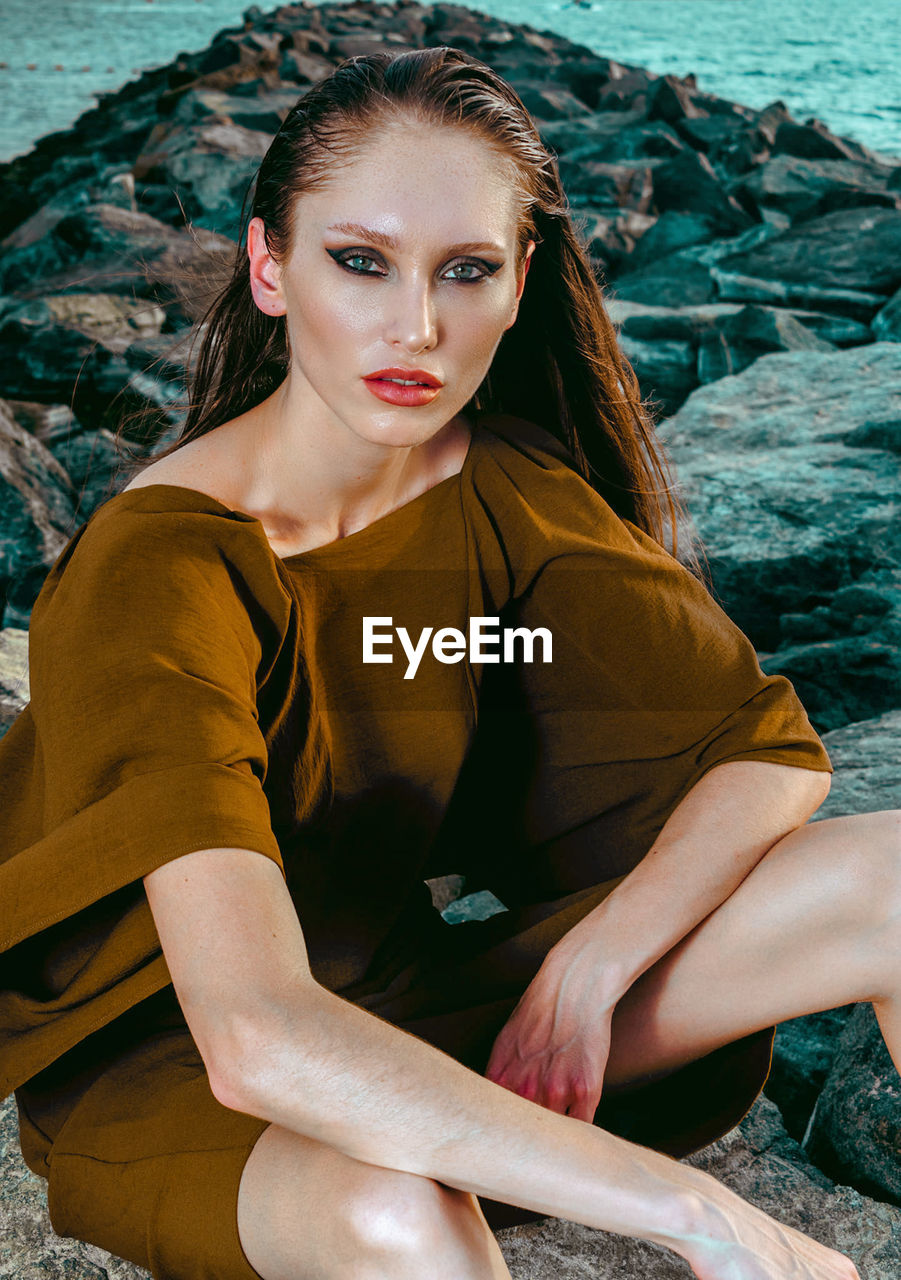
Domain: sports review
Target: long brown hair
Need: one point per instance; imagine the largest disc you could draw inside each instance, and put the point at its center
(578, 384)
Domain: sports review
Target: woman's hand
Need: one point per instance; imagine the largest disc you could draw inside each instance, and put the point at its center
(553, 1049)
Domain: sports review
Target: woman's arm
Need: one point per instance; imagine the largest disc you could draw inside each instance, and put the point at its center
(554, 1047)
(714, 837)
(278, 1045)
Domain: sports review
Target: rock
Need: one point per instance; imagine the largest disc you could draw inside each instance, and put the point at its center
(642, 320)
(670, 99)
(36, 517)
(689, 183)
(186, 276)
(813, 141)
(886, 324)
(666, 369)
(608, 185)
(92, 462)
(673, 230)
(263, 113)
(595, 133)
(42, 357)
(549, 102)
(610, 235)
(867, 760)
(850, 303)
(14, 687)
(802, 1055)
(92, 348)
(738, 340)
(76, 243)
(806, 189)
(856, 1129)
(210, 165)
(47, 422)
(791, 472)
(816, 253)
(673, 349)
(638, 140)
(677, 280)
(866, 756)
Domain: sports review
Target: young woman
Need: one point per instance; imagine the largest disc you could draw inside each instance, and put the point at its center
(243, 1042)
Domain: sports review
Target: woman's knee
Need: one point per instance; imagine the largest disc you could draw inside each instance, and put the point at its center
(308, 1210)
(877, 853)
(858, 858)
(400, 1224)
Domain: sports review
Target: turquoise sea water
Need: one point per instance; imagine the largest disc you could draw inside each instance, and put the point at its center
(838, 60)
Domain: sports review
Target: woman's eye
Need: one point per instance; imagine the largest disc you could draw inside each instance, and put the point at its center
(355, 256)
(469, 266)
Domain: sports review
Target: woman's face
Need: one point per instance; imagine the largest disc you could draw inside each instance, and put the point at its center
(404, 260)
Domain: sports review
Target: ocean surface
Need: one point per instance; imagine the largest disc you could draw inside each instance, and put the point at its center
(836, 60)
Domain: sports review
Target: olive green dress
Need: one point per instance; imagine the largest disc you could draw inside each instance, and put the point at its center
(190, 689)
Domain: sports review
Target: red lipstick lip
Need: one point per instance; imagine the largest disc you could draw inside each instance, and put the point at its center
(410, 375)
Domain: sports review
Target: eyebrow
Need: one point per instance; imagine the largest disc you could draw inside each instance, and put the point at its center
(389, 242)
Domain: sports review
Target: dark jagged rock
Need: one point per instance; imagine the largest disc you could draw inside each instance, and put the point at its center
(678, 280)
(803, 1052)
(103, 241)
(856, 1129)
(813, 141)
(87, 347)
(36, 517)
(93, 463)
(867, 760)
(738, 340)
(672, 231)
(886, 324)
(817, 253)
(806, 189)
(675, 349)
(791, 470)
(14, 687)
(210, 165)
(104, 248)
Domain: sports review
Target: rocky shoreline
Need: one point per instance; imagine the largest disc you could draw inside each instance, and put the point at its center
(753, 267)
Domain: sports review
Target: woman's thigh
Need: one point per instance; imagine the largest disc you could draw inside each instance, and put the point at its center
(812, 927)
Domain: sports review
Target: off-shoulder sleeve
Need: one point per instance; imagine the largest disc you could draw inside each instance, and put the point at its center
(650, 683)
(141, 743)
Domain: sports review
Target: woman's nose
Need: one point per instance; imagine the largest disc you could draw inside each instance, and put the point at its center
(415, 323)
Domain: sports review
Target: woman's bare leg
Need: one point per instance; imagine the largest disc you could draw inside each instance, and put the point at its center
(306, 1211)
(815, 925)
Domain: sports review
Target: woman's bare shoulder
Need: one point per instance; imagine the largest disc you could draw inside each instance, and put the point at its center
(192, 466)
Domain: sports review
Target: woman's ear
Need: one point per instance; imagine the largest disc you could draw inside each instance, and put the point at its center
(265, 273)
(527, 262)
